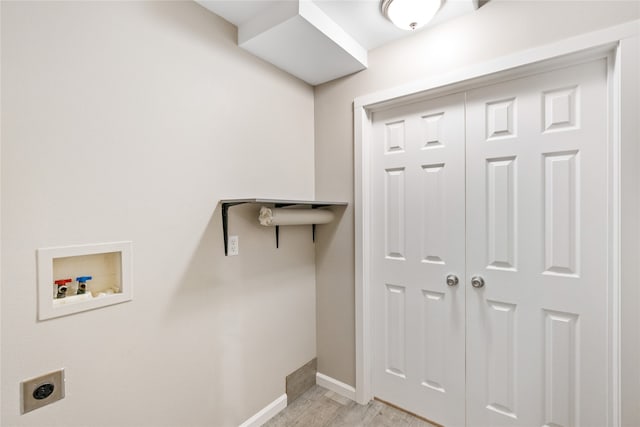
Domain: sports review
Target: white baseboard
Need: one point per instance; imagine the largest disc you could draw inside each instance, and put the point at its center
(266, 413)
(336, 386)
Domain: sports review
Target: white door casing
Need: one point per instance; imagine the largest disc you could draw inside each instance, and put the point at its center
(418, 241)
(592, 45)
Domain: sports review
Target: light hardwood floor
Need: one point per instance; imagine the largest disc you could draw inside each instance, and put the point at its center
(319, 407)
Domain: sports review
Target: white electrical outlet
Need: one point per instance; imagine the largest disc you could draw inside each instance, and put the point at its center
(234, 245)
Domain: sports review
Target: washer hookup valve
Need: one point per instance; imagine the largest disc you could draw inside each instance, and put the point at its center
(82, 284)
(62, 287)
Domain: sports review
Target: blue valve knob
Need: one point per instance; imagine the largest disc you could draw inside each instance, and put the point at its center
(82, 284)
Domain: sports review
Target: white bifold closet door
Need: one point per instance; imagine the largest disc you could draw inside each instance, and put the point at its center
(419, 239)
(504, 186)
(537, 234)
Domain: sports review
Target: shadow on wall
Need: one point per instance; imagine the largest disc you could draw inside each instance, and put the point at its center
(212, 276)
(247, 318)
(325, 234)
(217, 36)
(209, 301)
(185, 19)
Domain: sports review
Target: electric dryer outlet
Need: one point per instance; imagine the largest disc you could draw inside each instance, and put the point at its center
(41, 391)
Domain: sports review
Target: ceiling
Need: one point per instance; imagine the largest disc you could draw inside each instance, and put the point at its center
(318, 40)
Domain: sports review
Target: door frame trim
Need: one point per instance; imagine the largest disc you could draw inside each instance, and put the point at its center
(619, 44)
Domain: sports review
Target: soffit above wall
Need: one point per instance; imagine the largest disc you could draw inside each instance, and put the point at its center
(317, 40)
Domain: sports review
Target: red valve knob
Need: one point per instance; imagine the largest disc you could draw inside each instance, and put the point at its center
(62, 282)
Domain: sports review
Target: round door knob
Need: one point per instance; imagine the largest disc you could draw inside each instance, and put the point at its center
(452, 280)
(477, 281)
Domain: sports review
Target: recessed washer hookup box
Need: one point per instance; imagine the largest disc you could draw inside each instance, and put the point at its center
(72, 279)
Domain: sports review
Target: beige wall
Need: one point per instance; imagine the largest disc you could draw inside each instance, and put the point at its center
(129, 121)
(499, 28)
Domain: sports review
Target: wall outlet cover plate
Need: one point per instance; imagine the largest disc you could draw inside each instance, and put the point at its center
(43, 390)
(234, 245)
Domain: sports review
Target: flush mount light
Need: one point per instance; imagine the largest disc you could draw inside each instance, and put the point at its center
(410, 14)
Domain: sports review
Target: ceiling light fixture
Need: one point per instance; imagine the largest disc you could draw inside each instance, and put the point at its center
(410, 14)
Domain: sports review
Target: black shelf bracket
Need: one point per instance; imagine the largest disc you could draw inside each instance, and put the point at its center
(280, 205)
(225, 223)
(313, 226)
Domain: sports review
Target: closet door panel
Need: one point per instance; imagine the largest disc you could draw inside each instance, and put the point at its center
(537, 235)
(419, 237)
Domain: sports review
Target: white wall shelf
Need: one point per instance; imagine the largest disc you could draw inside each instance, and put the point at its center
(278, 203)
